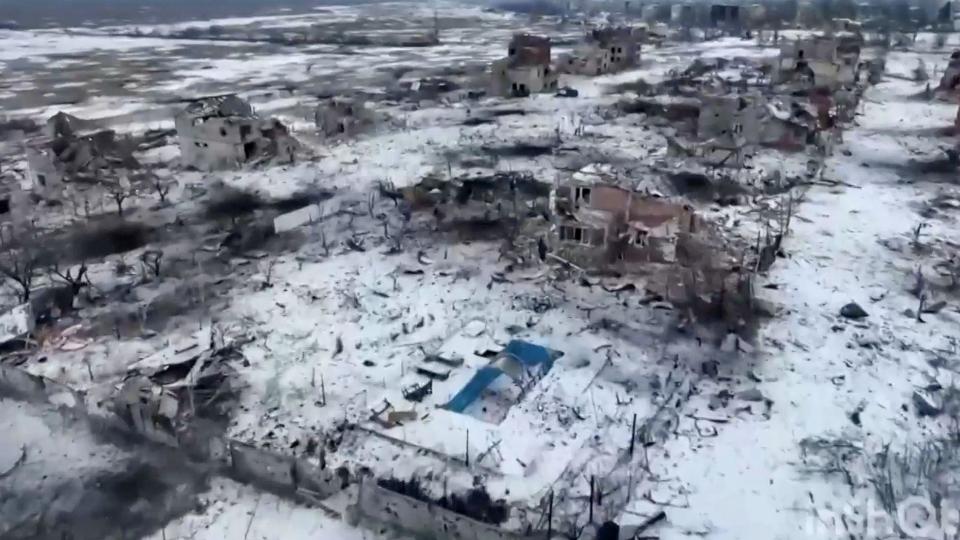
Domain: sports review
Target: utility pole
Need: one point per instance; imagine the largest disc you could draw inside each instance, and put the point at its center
(633, 434)
(550, 517)
(591, 498)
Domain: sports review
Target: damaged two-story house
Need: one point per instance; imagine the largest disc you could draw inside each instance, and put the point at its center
(343, 117)
(829, 62)
(72, 149)
(526, 70)
(606, 225)
(224, 131)
(605, 50)
(729, 125)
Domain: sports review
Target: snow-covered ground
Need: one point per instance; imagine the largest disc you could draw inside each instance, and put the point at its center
(59, 479)
(338, 333)
(826, 376)
(232, 510)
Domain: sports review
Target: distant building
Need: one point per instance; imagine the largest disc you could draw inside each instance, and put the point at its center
(526, 70)
(821, 61)
(343, 117)
(755, 15)
(725, 16)
(606, 50)
(224, 131)
(808, 15)
(650, 13)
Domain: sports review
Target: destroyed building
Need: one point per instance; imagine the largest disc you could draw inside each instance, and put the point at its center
(820, 61)
(653, 13)
(343, 117)
(191, 388)
(426, 88)
(729, 123)
(789, 126)
(480, 206)
(847, 25)
(725, 16)
(15, 203)
(684, 15)
(605, 50)
(224, 131)
(63, 125)
(526, 70)
(604, 224)
(72, 149)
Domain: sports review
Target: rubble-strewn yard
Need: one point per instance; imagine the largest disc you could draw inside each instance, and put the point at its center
(735, 350)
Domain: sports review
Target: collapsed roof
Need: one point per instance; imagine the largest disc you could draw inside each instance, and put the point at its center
(224, 106)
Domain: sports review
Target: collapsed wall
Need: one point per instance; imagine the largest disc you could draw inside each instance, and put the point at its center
(276, 472)
(273, 471)
(420, 518)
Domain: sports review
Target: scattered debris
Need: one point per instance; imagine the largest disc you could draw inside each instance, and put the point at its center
(853, 311)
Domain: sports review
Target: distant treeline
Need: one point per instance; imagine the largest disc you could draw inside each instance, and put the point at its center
(26, 14)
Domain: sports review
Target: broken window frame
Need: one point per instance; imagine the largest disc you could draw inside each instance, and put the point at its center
(582, 194)
(575, 235)
(641, 238)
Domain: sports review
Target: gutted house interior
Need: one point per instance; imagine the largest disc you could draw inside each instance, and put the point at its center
(605, 224)
(343, 117)
(526, 70)
(224, 131)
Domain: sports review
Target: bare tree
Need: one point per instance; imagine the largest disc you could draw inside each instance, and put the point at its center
(20, 262)
(20, 270)
(76, 281)
(268, 273)
(119, 196)
(371, 203)
(324, 243)
(916, 235)
(161, 187)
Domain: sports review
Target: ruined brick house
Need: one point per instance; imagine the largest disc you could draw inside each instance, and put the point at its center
(72, 149)
(343, 117)
(607, 225)
(224, 131)
(730, 124)
(526, 70)
(820, 61)
(605, 50)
